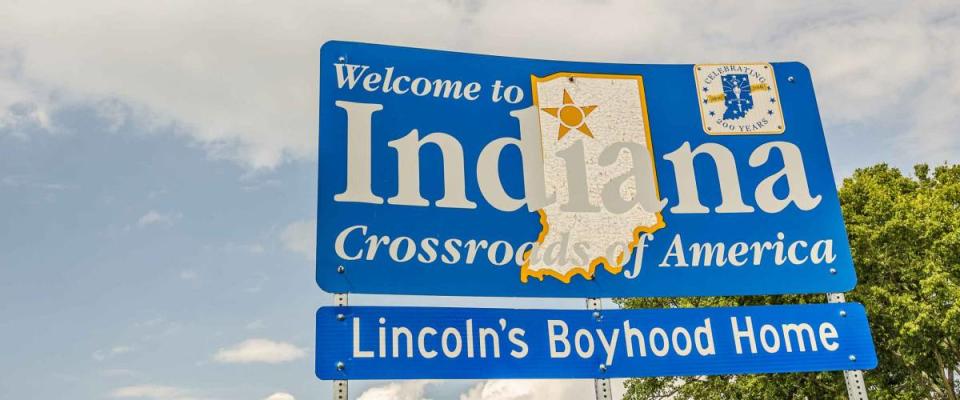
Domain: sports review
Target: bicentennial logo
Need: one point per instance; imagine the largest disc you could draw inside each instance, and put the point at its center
(739, 99)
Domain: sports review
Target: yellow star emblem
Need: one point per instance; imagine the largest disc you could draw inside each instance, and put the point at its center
(571, 116)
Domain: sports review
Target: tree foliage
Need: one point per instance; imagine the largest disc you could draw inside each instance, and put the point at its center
(905, 237)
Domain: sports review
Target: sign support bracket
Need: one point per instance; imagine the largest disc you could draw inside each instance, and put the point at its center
(856, 388)
(340, 386)
(601, 385)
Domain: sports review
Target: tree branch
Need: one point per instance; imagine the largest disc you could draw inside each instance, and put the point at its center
(947, 378)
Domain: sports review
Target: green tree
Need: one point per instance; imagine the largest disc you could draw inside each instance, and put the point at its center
(905, 236)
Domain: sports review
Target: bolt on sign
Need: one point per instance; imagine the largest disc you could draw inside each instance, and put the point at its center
(446, 173)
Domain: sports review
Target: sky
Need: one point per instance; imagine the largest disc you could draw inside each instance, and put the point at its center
(158, 165)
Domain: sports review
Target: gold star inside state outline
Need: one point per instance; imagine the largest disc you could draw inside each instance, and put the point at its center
(571, 116)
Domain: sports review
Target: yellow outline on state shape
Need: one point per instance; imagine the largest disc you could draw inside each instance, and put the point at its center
(589, 272)
(776, 91)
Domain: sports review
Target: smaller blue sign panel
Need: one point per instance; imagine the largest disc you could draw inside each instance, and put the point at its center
(475, 343)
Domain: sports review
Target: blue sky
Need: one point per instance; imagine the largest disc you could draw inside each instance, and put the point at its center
(158, 165)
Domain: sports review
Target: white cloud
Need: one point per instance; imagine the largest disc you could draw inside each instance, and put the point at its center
(301, 237)
(498, 389)
(154, 217)
(252, 248)
(24, 105)
(155, 392)
(101, 355)
(157, 327)
(523, 389)
(242, 81)
(119, 373)
(280, 396)
(189, 275)
(259, 351)
(21, 181)
(405, 390)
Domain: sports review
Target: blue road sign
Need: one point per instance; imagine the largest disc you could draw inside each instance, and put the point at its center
(457, 174)
(455, 343)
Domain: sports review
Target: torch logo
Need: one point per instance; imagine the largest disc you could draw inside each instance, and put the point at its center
(738, 99)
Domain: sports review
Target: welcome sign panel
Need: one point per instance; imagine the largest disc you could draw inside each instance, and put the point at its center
(457, 174)
(473, 343)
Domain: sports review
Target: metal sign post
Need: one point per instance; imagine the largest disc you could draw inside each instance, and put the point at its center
(601, 386)
(856, 389)
(340, 386)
